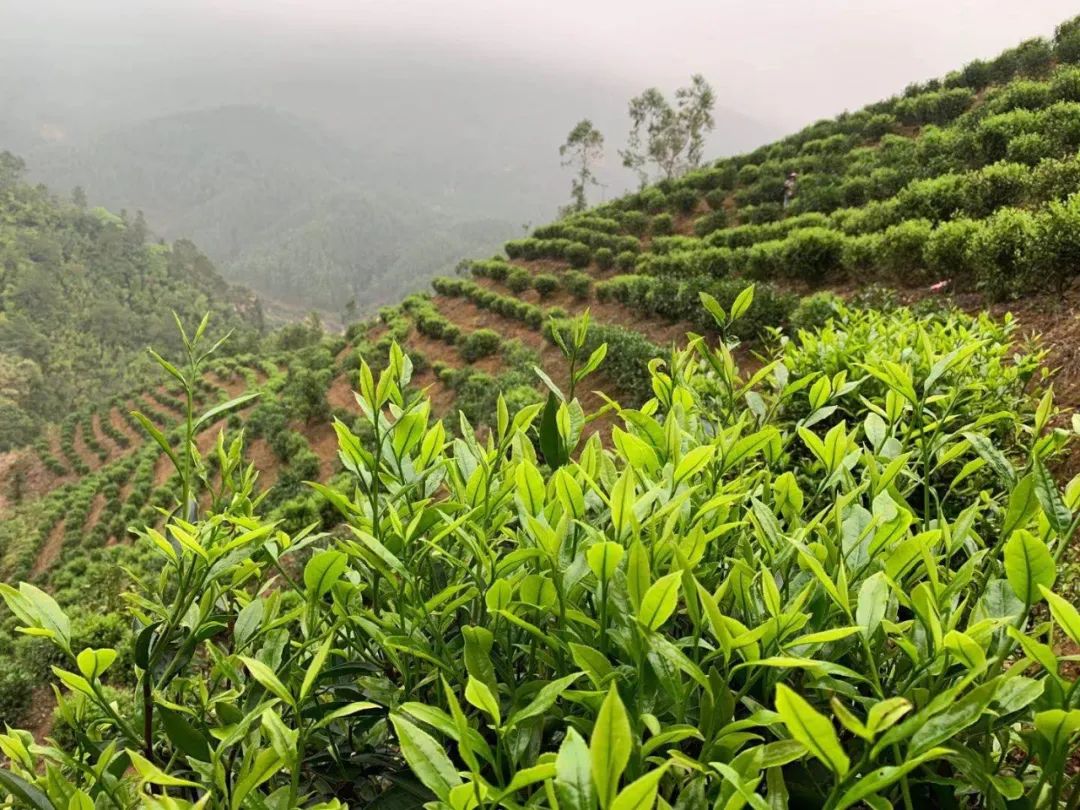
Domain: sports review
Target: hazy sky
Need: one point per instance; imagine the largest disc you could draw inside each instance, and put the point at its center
(784, 61)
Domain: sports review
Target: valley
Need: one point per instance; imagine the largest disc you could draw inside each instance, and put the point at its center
(758, 486)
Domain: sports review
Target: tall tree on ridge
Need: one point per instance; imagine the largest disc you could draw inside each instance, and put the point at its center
(671, 138)
(583, 148)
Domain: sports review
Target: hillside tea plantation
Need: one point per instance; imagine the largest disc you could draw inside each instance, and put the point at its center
(826, 582)
(670, 504)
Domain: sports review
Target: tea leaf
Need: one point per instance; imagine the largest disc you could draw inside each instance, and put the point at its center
(1028, 565)
(609, 747)
(426, 758)
(811, 729)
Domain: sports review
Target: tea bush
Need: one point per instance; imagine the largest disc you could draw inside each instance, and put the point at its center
(662, 225)
(578, 255)
(604, 258)
(480, 343)
(545, 284)
(827, 582)
(576, 283)
(518, 280)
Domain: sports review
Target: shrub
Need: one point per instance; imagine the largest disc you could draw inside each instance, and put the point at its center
(715, 220)
(1001, 252)
(626, 260)
(578, 255)
(938, 107)
(1028, 148)
(1056, 245)
(604, 258)
(814, 311)
(576, 283)
(653, 200)
(683, 201)
(900, 250)
(481, 343)
(716, 198)
(545, 284)
(1067, 41)
(16, 688)
(518, 280)
(947, 253)
(1056, 179)
(996, 186)
(634, 222)
(812, 253)
(495, 269)
(662, 225)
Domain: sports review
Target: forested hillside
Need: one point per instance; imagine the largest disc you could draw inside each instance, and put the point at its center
(83, 292)
(280, 206)
(692, 499)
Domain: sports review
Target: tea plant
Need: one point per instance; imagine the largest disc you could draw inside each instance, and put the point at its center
(785, 588)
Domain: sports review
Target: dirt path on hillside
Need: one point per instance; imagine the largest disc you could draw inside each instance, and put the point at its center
(49, 553)
(88, 456)
(97, 506)
(117, 420)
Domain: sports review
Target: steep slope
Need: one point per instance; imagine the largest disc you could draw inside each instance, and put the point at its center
(969, 180)
(82, 293)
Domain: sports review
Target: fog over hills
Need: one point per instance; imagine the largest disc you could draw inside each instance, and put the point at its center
(302, 168)
(338, 149)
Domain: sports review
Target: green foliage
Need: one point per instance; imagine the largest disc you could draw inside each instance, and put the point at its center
(81, 295)
(662, 225)
(480, 343)
(518, 279)
(812, 253)
(810, 585)
(626, 260)
(576, 283)
(545, 284)
(814, 311)
(578, 254)
(604, 258)
(1001, 252)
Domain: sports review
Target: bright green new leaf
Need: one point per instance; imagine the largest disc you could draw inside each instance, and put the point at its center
(1064, 613)
(323, 570)
(573, 774)
(480, 696)
(1028, 565)
(609, 747)
(660, 600)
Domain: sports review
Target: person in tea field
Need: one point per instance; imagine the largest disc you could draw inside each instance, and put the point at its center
(790, 186)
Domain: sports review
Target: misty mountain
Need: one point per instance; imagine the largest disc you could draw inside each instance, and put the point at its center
(307, 168)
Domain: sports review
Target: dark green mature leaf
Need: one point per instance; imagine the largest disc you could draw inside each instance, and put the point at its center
(955, 718)
(881, 778)
(184, 735)
(551, 442)
(812, 729)
(24, 791)
(426, 757)
(1023, 504)
(1057, 513)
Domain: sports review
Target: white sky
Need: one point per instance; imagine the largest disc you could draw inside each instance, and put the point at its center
(787, 61)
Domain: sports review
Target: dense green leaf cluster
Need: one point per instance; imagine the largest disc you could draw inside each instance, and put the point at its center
(827, 582)
(82, 293)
